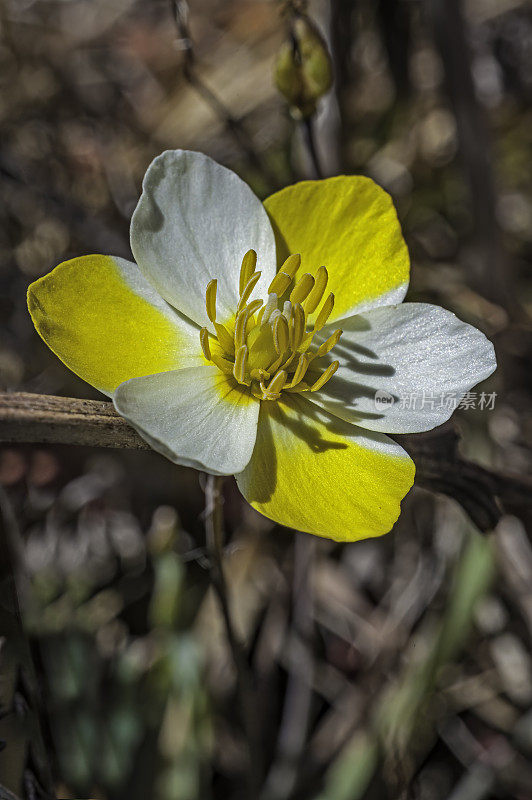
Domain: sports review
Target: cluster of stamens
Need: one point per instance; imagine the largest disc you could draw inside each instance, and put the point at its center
(268, 346)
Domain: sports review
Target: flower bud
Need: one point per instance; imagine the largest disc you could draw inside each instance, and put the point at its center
(303, 69)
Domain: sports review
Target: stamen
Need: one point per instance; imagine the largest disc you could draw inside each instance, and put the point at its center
(254, 306)
(276, 384)
(240, 328)
(210, 300)
(224, 337)
(280, 334)
(250, 285)
(241, 363)
(324, 377)
(302, 366)
(287, 310)
(292, 264)
(204, 339)
(249, 262)
(280, 283)
(297, 330)
(328, 344)
(222, 363)
(320, 284)
(325, 313)
(269, 308)
(259, 375)
(302, 288)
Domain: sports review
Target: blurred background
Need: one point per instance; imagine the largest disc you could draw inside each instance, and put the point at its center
(393, 668)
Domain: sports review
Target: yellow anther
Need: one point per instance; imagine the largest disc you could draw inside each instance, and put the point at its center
(329, 343)
(320, 284)
(240, 328)
(224, 337)
(287, 310)
(292, 264)
(297, 329)
(324, 377)
(280, 283)
(254, 307)
(270, 307)
(204, 339)
(210, 300)
(302, 366)
(280, 334)
(241, 363)
(302, 288)
(222, 363)
(250, 285)
(249, 262)
(325, 313)
(276, 384)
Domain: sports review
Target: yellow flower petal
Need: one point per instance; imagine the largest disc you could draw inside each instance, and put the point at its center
(349, 225)
(103, 319)
(312, 472)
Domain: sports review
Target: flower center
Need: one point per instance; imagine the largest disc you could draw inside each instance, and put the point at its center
(270, 346)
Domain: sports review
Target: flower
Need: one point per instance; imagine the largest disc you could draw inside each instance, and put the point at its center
(270, 374)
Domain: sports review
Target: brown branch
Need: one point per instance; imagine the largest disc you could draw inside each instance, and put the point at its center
(484, 494)
(64, 420)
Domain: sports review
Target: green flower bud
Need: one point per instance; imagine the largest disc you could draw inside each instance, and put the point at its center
(303, 69)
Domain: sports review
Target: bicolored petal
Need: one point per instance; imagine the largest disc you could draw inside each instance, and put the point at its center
(197, 417)
(404, 369)
(315, 473)
(103, 319)
(194, 222)
(349, 225)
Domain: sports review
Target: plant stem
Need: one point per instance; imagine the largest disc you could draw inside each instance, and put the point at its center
(310, 140)
(245, 687)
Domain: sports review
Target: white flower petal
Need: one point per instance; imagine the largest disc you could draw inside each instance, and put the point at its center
(194, 221)
(195, 417)
(416, 355)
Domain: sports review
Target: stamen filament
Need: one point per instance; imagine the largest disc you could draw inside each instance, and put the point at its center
(224, 337)
(222, 363)
(210, 300)
(249, 262)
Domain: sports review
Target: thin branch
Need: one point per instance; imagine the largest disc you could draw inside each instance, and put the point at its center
(180, 12)
(245, 687)
(284, 772)
(485, 494)
(46, 419)
(309, 131)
